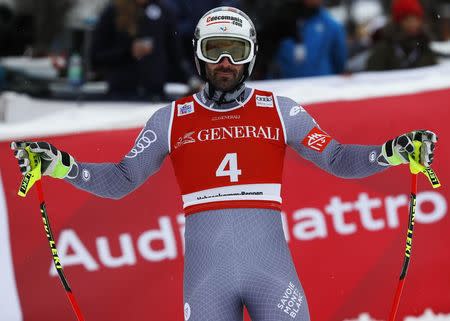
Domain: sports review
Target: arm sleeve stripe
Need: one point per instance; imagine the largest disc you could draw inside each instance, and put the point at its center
(169, 133)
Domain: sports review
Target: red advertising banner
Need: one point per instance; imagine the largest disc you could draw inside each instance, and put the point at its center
(124, 258)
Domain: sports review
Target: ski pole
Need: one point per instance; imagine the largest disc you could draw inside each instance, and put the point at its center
(32, 177)
(415, 168)
(412, 213)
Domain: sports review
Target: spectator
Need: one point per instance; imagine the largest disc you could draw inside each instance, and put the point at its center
(317, 46)
(439, 15)
(49, 22)
(366, 24)
(266, 14)
(30, 26)
(134, 45)
(406, 42)
(365, 15)
(7, 25)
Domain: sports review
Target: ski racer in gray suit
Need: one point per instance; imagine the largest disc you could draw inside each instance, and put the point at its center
(236, 253)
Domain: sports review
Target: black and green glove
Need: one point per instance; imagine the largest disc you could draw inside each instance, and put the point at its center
(54, 163)
(396, 151)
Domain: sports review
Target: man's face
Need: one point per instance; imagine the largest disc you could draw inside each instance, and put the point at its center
(412, 25)
(224, 75)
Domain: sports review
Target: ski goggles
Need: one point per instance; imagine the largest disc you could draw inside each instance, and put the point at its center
(213, 49)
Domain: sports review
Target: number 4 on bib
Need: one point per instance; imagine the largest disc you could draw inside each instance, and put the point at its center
(233, 172)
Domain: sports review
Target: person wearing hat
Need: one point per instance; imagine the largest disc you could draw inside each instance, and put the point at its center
(406, 40)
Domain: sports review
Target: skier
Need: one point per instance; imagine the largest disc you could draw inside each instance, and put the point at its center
(227, 145)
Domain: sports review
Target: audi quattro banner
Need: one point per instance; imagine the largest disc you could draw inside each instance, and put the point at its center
(124, 258)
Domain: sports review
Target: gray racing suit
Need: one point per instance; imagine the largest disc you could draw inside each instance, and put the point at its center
(234, 257)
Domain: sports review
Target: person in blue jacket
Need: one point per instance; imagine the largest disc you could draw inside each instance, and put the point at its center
(317, 46)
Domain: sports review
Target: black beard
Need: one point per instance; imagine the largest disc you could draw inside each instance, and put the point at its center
(227, 84)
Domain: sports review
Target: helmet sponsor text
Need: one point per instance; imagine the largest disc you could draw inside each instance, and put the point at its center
(224, 19)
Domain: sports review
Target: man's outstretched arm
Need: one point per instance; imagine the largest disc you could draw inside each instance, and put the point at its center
(306, 137)
(111, 180)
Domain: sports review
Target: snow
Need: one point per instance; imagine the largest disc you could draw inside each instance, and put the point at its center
(46, 118)
(39, 67)
(441, 47)
(428, 315)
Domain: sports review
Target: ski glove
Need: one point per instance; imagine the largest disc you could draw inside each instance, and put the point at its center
(396, 151)
(54, 163)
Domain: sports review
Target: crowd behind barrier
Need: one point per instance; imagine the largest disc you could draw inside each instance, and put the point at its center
(85, 42)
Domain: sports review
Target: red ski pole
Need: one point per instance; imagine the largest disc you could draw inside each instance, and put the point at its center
(401, 282)
(34, 176)
(415, 168)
